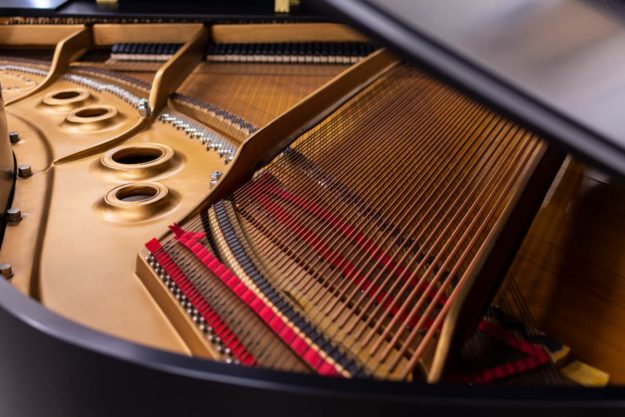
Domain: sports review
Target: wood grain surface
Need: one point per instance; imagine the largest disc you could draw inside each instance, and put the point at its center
(571, 267)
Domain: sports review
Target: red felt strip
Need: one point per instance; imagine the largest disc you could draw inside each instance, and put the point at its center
(536, 356)
(329, 255)
(269, 184)
(347, 229)
(512, 340)
(219, 326)
(298, 344)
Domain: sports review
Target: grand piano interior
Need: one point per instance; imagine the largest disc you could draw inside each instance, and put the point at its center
(238, 204)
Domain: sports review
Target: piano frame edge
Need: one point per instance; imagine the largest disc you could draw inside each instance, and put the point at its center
(486, 278)
(177, 316)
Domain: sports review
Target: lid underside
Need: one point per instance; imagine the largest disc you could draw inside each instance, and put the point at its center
(557, 66)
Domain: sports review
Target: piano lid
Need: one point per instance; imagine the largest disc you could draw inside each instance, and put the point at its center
(557, 66)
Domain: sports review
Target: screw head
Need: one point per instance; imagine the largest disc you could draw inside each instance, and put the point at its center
(144, 108)
(14, 137)
(24, 171)
(14, 215)
(6, 271)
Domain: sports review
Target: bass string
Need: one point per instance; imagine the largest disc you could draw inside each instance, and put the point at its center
(333, 153)
(331, 209)
(534, 145)
(442, 233)
(251, 332)
(212, 292)
(303, 184)
(417, 213)
(390, 281)
(551, 375)
(192, 225)
(416, 290)
(456, 228)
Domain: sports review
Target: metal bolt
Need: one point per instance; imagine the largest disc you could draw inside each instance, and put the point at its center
(24, 171)
(14, 215)
(144, 108)
(14, 136)
(6, 271)
(215, 177)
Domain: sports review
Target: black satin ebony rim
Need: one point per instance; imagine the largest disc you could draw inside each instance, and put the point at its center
(71, 335)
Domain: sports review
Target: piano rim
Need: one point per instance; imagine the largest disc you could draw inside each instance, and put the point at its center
(28, 327)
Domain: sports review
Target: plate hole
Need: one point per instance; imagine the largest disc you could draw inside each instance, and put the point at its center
(92, 112)
(69, 97)
(66, 95)
(136, 193)
(137, 155)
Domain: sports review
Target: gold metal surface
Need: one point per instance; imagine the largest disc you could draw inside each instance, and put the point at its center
(65, 51)
(284, 32)
(36, 35)
(16, 84)
(137, 162)
(66, 130)
(109, 34)
(169, 77)
(81, 186)
(7, 165)
(67, 99)
(544, 166)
